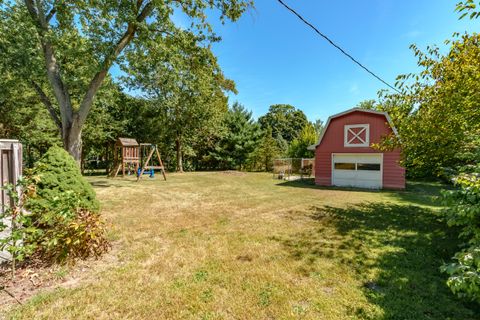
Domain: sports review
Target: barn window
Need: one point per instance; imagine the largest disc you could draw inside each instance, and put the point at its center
(344, 166)
(368, 166)
(357, 135)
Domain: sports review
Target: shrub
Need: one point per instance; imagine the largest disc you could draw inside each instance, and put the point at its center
(464, 212)
(68, 233)
(464, 273)
(63, 211)
(57, 172)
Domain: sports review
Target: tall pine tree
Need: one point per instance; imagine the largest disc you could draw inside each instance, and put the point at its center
(241, 136)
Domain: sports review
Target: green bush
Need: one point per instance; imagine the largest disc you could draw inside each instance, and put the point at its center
(67, 233)
(63, 213)
(464, 273)
(464, 212)
(57, 172)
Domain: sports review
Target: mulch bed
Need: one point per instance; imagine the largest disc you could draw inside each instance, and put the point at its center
(35, 276)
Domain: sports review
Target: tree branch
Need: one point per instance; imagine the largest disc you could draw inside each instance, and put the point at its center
(52, 68)
(97, 80)
(40, 15)
(51, 14)
(46, 101)
(31, 9)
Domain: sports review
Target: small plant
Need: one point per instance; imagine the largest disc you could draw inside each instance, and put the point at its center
(200, 276)
(70, 233)
(265, 296)
(17, 222)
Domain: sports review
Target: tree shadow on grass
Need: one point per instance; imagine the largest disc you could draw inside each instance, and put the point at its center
(101, 183)
(394, 250)
(424, 193)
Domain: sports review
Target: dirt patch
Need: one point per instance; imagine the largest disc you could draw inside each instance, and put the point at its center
(31, 278)
(245, 258)
(233, 173)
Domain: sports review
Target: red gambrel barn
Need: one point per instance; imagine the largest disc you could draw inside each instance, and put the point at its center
(344, 156)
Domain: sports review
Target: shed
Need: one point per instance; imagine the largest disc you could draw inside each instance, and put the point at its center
(344, 155)
(10, 171)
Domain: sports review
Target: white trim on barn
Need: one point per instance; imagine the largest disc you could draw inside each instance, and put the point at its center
(350, 142)
(389, 120)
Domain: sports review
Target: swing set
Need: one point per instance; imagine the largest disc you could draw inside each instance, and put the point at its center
(138, 158)
(148, 164)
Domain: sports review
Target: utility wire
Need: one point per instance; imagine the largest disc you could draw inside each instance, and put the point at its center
(336, 46)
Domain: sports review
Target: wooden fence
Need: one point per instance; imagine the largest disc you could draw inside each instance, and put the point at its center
(10, 171)
(288, 168)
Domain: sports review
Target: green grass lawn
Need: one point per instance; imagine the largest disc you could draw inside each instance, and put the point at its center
(245, 246)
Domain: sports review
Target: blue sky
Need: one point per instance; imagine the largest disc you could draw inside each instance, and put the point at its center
(274, 58)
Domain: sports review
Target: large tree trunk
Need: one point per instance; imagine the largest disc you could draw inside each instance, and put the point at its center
(178, 146)
(70, 122)
(72, 140)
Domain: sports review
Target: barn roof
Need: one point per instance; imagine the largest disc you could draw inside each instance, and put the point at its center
(385, 114)
(127, 142)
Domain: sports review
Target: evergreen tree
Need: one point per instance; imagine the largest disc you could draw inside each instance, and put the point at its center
(240, 139)
(266, 151)
(282, 145)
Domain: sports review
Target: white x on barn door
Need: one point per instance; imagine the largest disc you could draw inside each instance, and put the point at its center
(356, 135)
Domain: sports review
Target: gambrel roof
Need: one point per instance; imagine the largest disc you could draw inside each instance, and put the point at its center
(325, 128)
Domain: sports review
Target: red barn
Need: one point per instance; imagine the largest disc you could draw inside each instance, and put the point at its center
(344, 156)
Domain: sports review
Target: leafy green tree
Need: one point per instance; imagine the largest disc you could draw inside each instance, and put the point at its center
(298, 148)
(284, 120)
(318, 125)
(64, 51)
(114, 114)
(187, 93)
(239, 140)
(282, 145)
(468, 8)
(267, 150)
(437, 114)
(367, 104)
(23, 117)
(463, 212)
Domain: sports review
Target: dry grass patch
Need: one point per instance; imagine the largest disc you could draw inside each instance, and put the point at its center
(229, 246)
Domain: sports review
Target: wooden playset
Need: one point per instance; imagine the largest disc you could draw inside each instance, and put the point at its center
(134, 157)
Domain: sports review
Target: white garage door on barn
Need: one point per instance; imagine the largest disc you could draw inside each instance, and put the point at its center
(357, 170)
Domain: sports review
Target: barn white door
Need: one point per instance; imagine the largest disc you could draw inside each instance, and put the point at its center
(357, 170)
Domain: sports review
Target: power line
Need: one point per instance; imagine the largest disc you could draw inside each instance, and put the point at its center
(336, 46)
